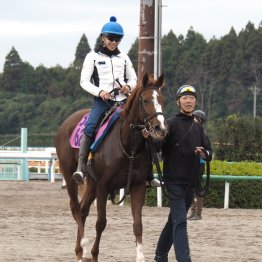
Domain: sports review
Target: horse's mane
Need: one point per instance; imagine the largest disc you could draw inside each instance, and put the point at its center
(130, 100)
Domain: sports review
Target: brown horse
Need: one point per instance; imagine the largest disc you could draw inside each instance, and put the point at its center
(122, 161)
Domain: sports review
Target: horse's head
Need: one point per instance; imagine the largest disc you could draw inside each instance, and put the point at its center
(151, 103)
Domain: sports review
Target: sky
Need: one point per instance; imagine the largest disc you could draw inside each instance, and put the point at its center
(48, 31)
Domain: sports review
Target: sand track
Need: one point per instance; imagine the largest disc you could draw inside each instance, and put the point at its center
(36, 225)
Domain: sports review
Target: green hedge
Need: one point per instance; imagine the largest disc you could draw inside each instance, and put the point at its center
(243, 194)
(243, 168)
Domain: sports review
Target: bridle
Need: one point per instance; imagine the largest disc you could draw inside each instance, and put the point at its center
(146, 117)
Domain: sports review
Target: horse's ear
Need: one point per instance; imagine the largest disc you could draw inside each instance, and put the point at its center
(145, 80)
(160, 80)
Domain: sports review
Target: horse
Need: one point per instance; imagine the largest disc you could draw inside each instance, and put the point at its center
(122, 160)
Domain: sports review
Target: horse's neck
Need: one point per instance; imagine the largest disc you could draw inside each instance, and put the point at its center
(128, 128)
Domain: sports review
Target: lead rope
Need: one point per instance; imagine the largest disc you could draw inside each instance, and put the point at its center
(203, 191)
(199, 191)
(158, 168)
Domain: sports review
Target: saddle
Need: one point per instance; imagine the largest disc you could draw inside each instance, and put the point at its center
(104, 126)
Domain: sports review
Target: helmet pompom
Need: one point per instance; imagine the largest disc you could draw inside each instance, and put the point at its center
(113, 19)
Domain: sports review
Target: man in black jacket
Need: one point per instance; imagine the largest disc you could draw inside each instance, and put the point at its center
(184, 144)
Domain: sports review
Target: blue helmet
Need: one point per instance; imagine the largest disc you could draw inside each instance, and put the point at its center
(112, 27)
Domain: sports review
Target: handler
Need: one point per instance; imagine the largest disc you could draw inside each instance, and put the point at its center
(183, 145)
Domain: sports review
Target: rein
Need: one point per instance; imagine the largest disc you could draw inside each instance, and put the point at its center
(200, 191)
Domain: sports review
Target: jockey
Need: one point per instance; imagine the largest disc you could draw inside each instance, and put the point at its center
(104, 69)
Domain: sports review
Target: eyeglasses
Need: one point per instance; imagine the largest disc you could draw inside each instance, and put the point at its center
(112, 38)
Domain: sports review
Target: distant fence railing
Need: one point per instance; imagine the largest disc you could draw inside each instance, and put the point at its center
(228, 179)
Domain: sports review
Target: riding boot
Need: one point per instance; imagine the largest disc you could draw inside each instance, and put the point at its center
(199, 206)
(84, 151)
(193, 208)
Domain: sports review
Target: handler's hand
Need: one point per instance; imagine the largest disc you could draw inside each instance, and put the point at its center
(199, 150)
(145, 133)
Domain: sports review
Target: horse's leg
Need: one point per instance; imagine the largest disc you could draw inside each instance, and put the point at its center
(72, 189)
(68, 165)
(137, 201)
(87, 200)
(101, 220)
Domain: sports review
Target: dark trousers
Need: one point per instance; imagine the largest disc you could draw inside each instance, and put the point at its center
(175, 230)
(99, 108)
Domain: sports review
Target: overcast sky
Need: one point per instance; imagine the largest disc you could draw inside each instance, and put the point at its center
(47, 31)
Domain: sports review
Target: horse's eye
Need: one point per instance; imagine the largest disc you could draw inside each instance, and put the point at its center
(145, 101)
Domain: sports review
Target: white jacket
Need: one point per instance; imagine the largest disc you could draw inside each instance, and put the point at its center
(100, 72)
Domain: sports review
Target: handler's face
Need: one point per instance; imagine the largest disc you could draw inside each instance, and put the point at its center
(187, 104)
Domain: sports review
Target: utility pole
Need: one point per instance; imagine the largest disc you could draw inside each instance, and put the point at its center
(146, 38)
(150, 34)
(255, 90)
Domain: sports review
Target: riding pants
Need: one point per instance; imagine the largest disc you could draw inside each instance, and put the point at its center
(98, 110)
(175, 230)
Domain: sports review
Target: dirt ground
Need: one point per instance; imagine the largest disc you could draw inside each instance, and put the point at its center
(36, 225)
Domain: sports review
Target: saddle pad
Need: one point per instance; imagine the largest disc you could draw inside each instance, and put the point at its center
(103, 130)
(79, 130)
(75, 137)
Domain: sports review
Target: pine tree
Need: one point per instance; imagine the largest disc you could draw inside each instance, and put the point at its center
(82, 50)
(133, 54)
(13, 60)
(13, 67)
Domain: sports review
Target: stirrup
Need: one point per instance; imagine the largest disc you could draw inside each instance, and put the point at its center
(78, 177)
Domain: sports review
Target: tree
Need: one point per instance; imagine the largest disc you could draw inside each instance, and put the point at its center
(82, 50)
(98, 43)
(238, 138)
(42, 79)
(133, 54)
(190, 69)
(12, 71)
